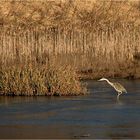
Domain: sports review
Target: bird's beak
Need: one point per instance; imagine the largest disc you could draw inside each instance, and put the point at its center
(99, 80)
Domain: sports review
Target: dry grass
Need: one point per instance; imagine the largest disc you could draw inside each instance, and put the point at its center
(109, 52)
(97, 41)
(67, 13)
(41, 80)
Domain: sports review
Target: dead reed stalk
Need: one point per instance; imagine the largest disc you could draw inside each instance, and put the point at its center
(100, 40)
(105, 52)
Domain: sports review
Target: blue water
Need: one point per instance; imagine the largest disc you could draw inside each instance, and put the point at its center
(96, 115)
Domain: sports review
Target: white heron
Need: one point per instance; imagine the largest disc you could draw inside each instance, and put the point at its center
(117, 86)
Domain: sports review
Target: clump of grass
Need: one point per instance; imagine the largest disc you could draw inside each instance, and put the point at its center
(30, 80)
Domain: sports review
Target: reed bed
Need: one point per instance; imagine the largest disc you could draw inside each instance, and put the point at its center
(108, 52)
(41, 80)
(46, 46)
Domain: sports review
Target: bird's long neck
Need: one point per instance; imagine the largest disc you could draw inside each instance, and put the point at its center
(108, 82)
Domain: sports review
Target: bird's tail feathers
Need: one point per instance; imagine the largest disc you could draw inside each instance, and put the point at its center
(125, 91)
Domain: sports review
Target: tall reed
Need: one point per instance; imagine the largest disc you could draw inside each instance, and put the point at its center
(100, 40)
(106, 52)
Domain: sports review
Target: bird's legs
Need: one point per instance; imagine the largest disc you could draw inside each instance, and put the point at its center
(118, 95)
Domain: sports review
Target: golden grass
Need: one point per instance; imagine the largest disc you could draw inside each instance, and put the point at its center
(109, 52)
(41, 80)
(96, 41)
(67, 13)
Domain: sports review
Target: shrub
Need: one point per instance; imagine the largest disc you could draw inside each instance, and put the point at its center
(30, 80)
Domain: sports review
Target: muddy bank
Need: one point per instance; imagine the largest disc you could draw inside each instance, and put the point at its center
(128, 73)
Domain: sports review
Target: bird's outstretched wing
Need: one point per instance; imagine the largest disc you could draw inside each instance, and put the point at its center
(119, 87)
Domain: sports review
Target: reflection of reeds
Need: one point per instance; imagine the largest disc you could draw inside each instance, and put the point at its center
(40, 80)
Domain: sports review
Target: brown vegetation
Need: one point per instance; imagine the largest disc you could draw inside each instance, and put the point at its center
(40, 80)
(67, 13)
(110, 52)
(97, 40)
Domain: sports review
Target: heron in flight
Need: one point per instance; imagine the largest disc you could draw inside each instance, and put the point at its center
(117, 86)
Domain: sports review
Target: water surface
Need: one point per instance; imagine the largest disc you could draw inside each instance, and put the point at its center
(96, 115)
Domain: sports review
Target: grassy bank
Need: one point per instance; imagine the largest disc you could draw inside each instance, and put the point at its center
(33, 80)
